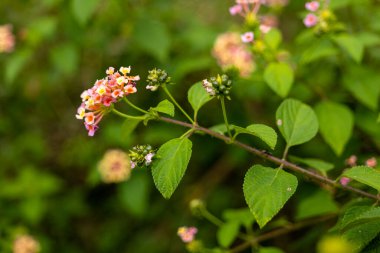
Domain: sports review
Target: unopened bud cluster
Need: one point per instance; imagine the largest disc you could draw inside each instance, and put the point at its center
(157, 78)
(218, 86)
(141, 155)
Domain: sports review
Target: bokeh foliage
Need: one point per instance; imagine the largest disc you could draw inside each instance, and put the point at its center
(48, 178)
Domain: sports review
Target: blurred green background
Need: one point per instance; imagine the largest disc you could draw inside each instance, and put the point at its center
(49, 184)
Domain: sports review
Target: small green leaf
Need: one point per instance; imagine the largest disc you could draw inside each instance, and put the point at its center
(351, 45)
(270, 250)
(363, 85)
(227, 233)
(242, 216)
(221, 128)
(265, 133)
(266, 191)
(166, 107)
(314, 163)
(134, 194)
(83, 10)
(336, 123)
(297, 122)
(364, 175)
(314, 203)
(153, 37)
(273, 38)
(279, 77)
(129, 125)
(169, 168)
(15, 64)
(318, 49)
(198, 96)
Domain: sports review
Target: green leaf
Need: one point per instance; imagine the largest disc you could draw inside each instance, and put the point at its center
(169, 168)
(336, 123)
(318, 49)
(314, 163)
(273, 38)
(129, 125)
(83, 10)
(270, 250)
(351, 45)
(153, 37)
(360, 225)
(266, 191)
(221, 128)
(363, 85)
(265, 133)
(242, 216)
(198, 96)
(297, 122)
(314, 203)
(15, 64)
(364, 175)
(166, 107)
(279, 77)
(134, 194)
(227, 233)
(65, 58)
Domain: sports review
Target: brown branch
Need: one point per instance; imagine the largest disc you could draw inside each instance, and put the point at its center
(281, 231)
(276, 160)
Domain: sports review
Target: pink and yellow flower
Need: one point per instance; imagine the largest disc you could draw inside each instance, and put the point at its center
(187, 234)
(98, 100)
(310, 20)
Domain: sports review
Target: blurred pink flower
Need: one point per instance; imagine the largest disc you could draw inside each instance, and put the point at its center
(351, 161)
(231, 52)
(115, 166)
(310, 20)
(371, 162)
(236, 9)
(344, 181)
(187, 234)
(312, 6)
(7, 39)
(26, 244)
(247, 37)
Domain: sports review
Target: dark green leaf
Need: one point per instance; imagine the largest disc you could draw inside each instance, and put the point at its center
(336, 123)
(266, 191)
(169, 168)
(279, 77)
(297, 122)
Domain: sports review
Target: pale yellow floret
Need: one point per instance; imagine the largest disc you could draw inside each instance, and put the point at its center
(101, 90)
(120, 80)
(125, 70)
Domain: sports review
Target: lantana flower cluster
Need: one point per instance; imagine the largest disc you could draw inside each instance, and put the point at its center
(7, 39)
(115, 166)
(318, 17)
(249, 9)
(218, 86)
(141, 155)
(26, 244)
(230, 52)
(99, 99)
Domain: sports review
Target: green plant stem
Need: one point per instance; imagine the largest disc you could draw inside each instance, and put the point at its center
(284, 155)
(225, 116)
(265, 155)
(211, 218)
(281, 231)
(176, 104)
(134, 106)
(126, 115)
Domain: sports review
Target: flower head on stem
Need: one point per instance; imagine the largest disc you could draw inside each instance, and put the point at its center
(142, 155)
(99, 99)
